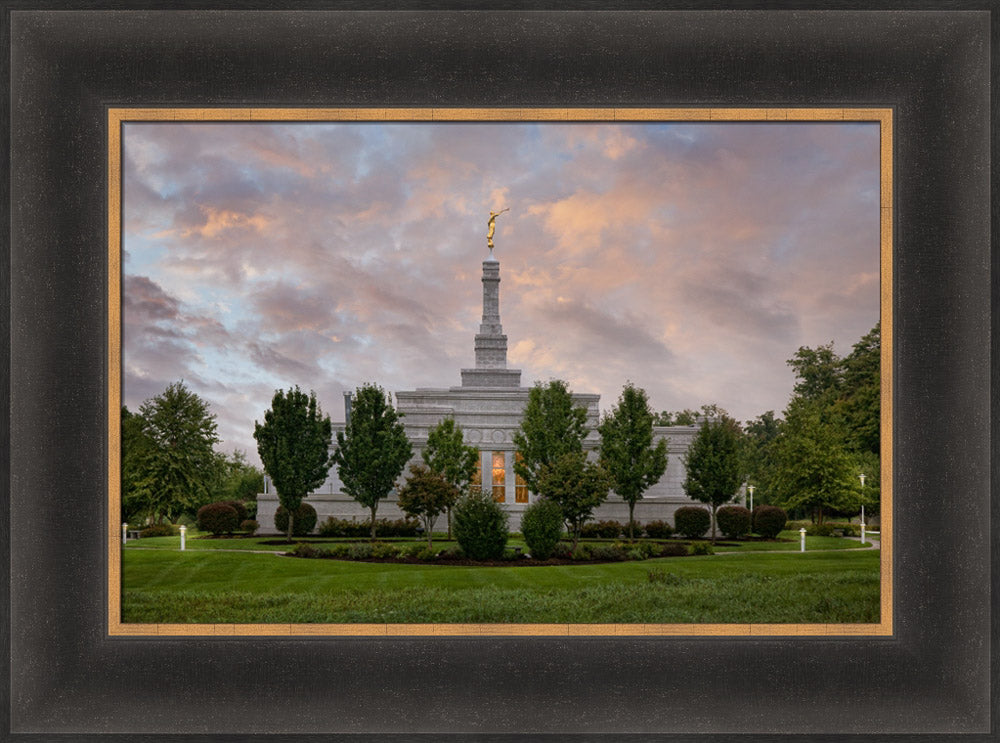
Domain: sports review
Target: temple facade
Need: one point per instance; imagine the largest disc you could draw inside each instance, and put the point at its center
(488, 406)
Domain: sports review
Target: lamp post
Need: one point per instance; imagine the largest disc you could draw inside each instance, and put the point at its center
(750, 489)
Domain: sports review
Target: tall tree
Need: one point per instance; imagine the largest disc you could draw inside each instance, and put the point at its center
(136, 448)
(819, 371)
(578, 486)
(688, 417)
(372, 450)
(628, 454)
(813, 470)
(425, 495)
(175, 468)
(860, 403)
(714, 464)
(550, 428)
(294, 445)
(759, 439)
(447, 454)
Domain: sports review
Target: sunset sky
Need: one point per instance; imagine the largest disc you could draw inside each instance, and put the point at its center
(692, 258)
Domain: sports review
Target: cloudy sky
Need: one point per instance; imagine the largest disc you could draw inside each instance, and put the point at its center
(692, 258)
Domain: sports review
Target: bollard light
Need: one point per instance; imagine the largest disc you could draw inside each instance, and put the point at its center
(183, 532)
(802, 543)
(124, 532)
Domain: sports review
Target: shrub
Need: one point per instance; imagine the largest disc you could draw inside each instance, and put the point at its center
(850, 530)
(692, 521)
(582, 552)
(609, 552)
(702, 548)
(249, 526)
(158, 530)
(673, 549)
(659, 530)
(218, 518)
(733, 521)
(383, 550)
(304, 550)
(451, 553)
(819, 530)
(397, 528)
(563, 550)
(607, 529)
(240, 508)
(542, 525)
(334, 527)
(768, 521)
(360, 551)
(305, 520)
(636, 554)
(338, 550)
(479, 525)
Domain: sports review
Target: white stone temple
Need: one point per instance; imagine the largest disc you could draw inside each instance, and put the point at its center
(488, 407)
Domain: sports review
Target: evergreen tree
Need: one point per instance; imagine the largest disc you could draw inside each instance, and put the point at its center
(294, 445)
(550, 428)
(627, 451)
(372, 450)
(714, 464)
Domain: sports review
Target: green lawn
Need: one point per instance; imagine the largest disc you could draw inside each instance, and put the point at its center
(208, 586)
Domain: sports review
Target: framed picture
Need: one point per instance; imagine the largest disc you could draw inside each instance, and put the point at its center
(74, 670)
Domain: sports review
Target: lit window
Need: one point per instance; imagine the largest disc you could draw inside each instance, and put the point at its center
(499, 467)
(477, 476)
(520, 486)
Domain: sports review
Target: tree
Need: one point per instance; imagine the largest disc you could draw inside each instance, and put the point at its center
(136, 448)
(860, 401)
(759, 439)
(170, 468)
(812, 468)
(688, 417)
(550, 428)
(627, 451)
(425, 495)
(577, 486)
(714, 464)
(447, 454)
(819, 371)
(372, 450)
(294, 445)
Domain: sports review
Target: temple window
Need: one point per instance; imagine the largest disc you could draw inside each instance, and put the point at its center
(499, 474)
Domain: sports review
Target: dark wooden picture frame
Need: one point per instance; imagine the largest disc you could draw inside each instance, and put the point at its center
(930, 679)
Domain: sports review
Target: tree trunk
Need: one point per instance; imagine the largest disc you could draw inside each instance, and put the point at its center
(373, 522)
(427, 526)
(714, 508)
(631, 521)
(448, 512)
(291, 521)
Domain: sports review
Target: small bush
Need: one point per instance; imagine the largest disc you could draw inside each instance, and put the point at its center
(673, 549)
(850, 530)
(542, 525)
(582, 552)
(452, 553)
(305, 520)
(733, 521)
(218, 518)
(334, 527)
(659, 530)
(304, 550)
(249, 526)
(412, 549)
(479, 525)
(383, 550)
(158, 530)
(606, 529)
(563, 551)
(396, 528)
(426, 554)
(702, 548)
(768, 521)
(692, 521)
(338, 550)
(360, 551)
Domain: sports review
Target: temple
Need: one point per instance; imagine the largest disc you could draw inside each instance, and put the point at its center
(488, 406)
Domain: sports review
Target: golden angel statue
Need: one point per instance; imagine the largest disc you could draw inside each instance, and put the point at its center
(493, 226)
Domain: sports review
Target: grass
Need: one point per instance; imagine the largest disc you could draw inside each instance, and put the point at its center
(222, 587)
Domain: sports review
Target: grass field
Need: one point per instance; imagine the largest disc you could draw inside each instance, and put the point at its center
(212, 586)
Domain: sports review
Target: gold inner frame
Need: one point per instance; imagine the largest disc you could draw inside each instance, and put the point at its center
(119, 116)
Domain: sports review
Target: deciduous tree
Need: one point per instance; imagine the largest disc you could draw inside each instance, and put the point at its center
(425, 495)
(628, 454)
(372, 450)
(551, 427)
(577, 486)
(447, 454)
(714, 464)
(294, 445)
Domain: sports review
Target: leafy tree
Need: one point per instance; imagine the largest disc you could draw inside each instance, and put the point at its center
(759, 439)
(819, 371)
(372, 450)
(425, 495)
(688, 417)
(170, 452)
(627, 451)
(136, 448)
(481, 525)
(577, 486)
(812, 468)
(447, 454)
(294, 445)
(550, 428)
(714, 464)
(860, 401)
